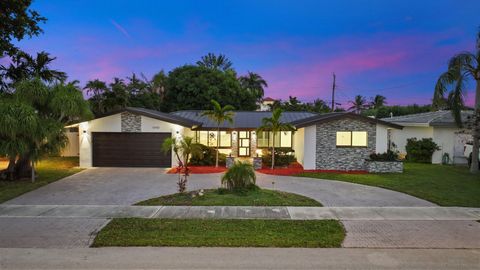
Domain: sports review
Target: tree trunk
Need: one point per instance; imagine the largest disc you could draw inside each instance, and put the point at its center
(273, 150)
(33, 171)
(23, 168)
(10, 171)
(218, 146)
(476, 129)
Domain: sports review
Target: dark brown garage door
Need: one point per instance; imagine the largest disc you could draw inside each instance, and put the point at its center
(112, 149)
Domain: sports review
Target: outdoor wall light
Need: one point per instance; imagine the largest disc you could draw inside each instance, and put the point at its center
(84, 131)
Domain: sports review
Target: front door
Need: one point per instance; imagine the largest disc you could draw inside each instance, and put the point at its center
(244, 143)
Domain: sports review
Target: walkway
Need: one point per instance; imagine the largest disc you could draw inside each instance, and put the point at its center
(242, 212)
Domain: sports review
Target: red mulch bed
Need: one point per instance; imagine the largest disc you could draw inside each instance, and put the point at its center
(296, 168)
(200, 169)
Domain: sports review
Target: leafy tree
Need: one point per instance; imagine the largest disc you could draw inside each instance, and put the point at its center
(183, 148)
(16, 22)
(219, 115)
(255, 83)
(275, 125)
(211, 61)
(358, 104)
(397, 110)
(158, 84)
(293, 104)
(378, 101)
(40, 113)
(192, 87)
(462, 68)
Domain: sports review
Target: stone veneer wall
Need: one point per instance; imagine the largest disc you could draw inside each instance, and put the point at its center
(384, 166)
(331, 157)
(131, 122)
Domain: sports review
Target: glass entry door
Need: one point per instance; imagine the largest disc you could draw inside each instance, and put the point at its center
(244, 143)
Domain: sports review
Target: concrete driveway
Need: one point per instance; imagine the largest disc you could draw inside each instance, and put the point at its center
(127, 186)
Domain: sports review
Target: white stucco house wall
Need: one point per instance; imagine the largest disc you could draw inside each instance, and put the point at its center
(440, 126)
(132, 137)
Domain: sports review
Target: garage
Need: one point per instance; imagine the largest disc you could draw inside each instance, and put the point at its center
(129, 149)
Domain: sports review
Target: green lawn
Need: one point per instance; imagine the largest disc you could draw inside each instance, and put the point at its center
(49, 170)
(221, 233)
(259, 197)
(441, 184)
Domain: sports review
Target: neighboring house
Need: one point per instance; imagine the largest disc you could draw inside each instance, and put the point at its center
(132, 137)
(440, 126)
(266, 104)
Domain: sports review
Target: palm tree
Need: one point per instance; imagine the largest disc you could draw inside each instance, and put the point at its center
(255, 83)
(211, 61)
(461, 68)
(183, 149)
(359, 104)
(378, 101)
(25, 66)
(219, 115)
(274, 125)
(96, 89)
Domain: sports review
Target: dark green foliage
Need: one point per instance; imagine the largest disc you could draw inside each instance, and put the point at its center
(387, 156)
(420, 150)
(16, 22)
(295, 105)
(284, 156)
(240, 176)
(193, 87)
(384, 111)
(207, 157)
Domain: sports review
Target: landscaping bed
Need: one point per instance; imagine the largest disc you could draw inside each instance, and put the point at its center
(48, 170)
(221, 233)
(221, 197)
(444, 185)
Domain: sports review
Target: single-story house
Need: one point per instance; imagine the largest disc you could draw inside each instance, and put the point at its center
(132, 137)
(440, 126)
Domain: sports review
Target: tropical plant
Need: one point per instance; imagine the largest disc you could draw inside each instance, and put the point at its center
(183, 148)
(462, 68)
(358, 104)
(17, 21)
(33, 121)
(274, 125)
(255, 83)
(378, 101)
(96, 89)
(386, 156)
(207, 157)
(421, 150)
(211, 61)
(219, 115)
(240, 176)
(284, 156)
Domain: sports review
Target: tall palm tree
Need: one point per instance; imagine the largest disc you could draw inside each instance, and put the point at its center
(211, 61)
(378, 101)
(25, 66)
(219, 115)
(462, 68)
(274, 125)
(96, 89)
(359, 104)
(255, 83)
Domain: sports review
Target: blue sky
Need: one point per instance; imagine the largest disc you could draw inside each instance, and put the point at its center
(393, 48)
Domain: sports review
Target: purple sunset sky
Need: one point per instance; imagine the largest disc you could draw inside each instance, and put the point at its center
(393, 48)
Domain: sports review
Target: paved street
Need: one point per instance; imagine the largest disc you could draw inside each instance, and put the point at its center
(238, 258)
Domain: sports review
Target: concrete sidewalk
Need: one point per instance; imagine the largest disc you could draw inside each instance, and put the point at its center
(242, 212)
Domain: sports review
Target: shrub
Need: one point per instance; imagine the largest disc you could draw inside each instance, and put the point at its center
(240, 176)
(207, 157)
(387, 156)
(421, 150)
(284, 156)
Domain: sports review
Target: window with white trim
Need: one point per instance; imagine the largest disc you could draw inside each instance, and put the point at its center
(352, 139)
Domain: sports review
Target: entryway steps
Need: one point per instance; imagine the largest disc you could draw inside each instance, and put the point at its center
(241, 212)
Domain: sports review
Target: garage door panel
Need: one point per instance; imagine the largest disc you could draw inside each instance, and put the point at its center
(112, 149)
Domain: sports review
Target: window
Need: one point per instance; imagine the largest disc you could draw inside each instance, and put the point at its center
(282, 139)
(352, 139)
(209, 138)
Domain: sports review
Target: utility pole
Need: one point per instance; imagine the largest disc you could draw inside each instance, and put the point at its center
(333, 92)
